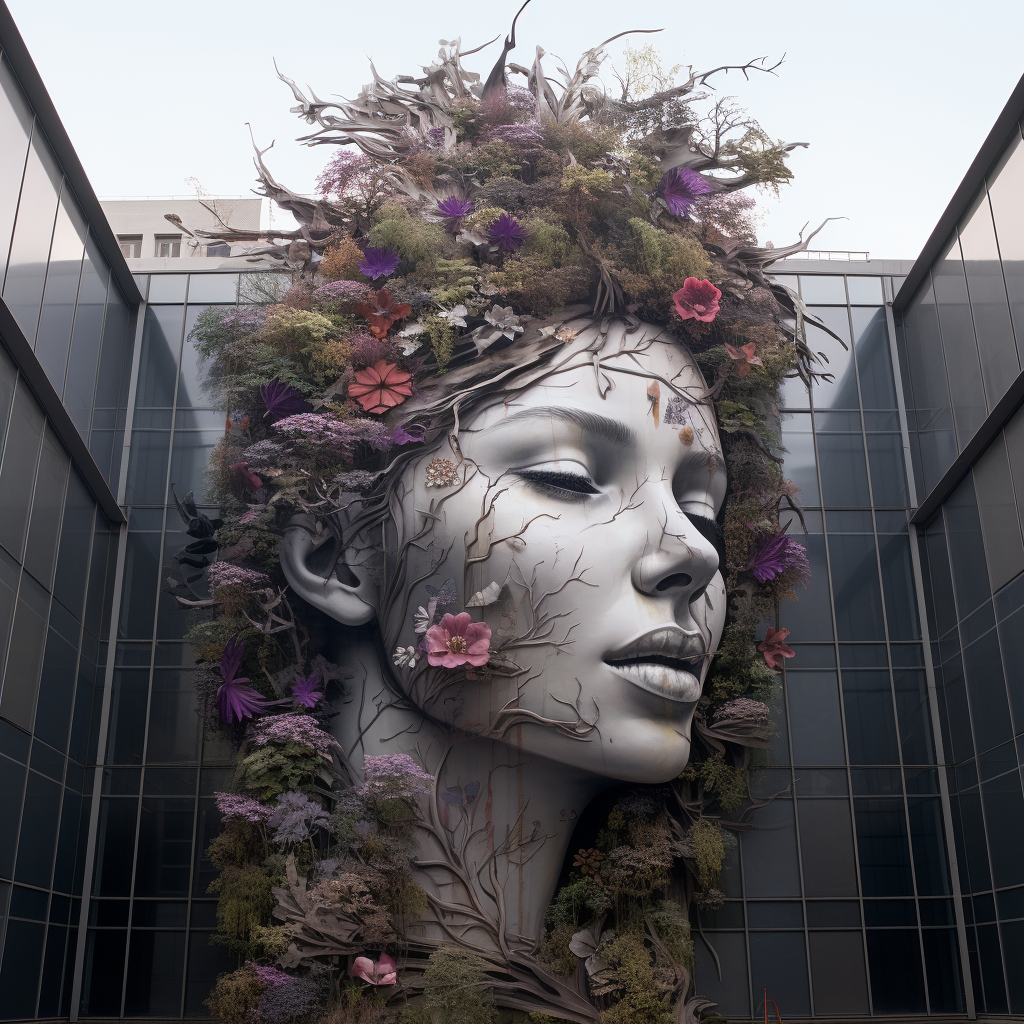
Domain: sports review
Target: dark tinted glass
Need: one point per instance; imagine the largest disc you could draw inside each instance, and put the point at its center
(1000, 520)
(156, 971)
(85, 343)
(21, 679)
(1006, 192)
(770, 866)
(942, 960)
(47, 505)
(18, 469)
(897, 982)
(15, 123)
(19, 975)
(800, 465)
(810, 617)
(844, 474)
(914, 716)
(778, 962)
(75, 542)
(815, 722)
(837, 973)
(882, 847)
(874, 362)
(990, 712)
(826, 841)
(730, 989)
(888, 472)
(841, 391)
(966, 548)
(855, 577)
(926, 836)
(104, 973)
(1004, 817)
(38, 842)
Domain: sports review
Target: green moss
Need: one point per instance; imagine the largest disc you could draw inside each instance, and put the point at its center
(707, 847)
(673, 928)
(640, 1000)
(455, 988)
(442, 338)
(235, 995)
(245, 902)
(417, 241)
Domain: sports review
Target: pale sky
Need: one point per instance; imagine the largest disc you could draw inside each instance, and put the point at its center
(894, 96)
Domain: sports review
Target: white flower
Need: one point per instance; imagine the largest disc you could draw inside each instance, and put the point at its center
(504, 321)
(408, 347)
(456, 316)
(404, 657)
(422, 618)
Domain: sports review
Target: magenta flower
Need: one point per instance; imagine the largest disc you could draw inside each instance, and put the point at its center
(282, 400)
(507, 233)
(234, 699)
(697, 300)
(679, 187)
(774, 647)
(379, 262)
(382, 972)
(776, 554)
(306, 690)
(453, 209)
(457, 640)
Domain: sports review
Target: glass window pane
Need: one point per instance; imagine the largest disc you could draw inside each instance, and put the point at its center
(826, 842)
(989, 307)
(21, 679)
(844, 476)
(1004, 816)
(865, 291)
(18, 469)
(1006, 191)
(824, 288)
(167, 287)
(959, 344)
(731, 989)
(53, 340)
(156, 971)
(778, 962)
(800, 466)
(898, 585)
(870, 728)
(1000, 522)
(914, 716)
(56, 690)
(930, 414)
(85, 343)
(33, 231)
(1013, 946)
(815, 721)
(992, 969)
(141, 574)
(841, 391)
(212, 288)
(809, 617)
(874, 362)
(930, 865)
(165, 846)
(855, 576)
(897, 984)
(19, 976)
(986, 691)
(47, 505)
(770, 866)
(174, 727)
(147, 467)
(888, 472)
(12, 787)
(837, 971)
(75, 542)
(15, 123)
(104, 973)
(38, 841)
(161, 343)
(882, 847)
(190, 458)
(966, 548)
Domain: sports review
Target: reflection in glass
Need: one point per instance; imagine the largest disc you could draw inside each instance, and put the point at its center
(815, 721)
(161, 343)
(1006, 191)
(823, 288)
(778, 962)
(882, 847)
(80, 386)
(989, 307)
(15, 123)
(837, 973)
(874, 363)
(841, 391)
(800, 467)
(826, 842)
(864, 291)
(870, 726)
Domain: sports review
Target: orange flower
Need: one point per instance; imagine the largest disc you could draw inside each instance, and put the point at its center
(774, 647)
(380, 387)
(381, 311)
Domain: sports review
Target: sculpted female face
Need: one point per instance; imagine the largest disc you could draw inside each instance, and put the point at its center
(592, 516)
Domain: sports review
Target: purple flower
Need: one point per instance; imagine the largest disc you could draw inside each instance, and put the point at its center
(679, 188)
(282, 400)
(393, 775)
(270, 976)
(774, 556)
(507, 233)
(379, 262)
(233, 805)
(290, 728)
(453, 209)
(413, 434)
(234, 699)
(306, 690)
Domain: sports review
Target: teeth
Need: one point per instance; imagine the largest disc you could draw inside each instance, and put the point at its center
(670, 683)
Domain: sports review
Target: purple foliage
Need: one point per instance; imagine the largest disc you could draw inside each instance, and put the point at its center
(393, 775)
(680, 187)
(224, 574)
(379, 262)
(306, 690)
(282, 400)
(245, 808)
(368, 350)
(293, 727)
(351, 291)
(507, 233)
(453, 209)
(234, 699)
(773, 556)
(296, 818)
(293, 1002)
(268, 974)
(412, 434)
(325, 432)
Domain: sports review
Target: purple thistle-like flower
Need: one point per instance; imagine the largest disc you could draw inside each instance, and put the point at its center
(507, 233)
(679, 188)
(379, 262)
(282, 400)
(306, 690)
(234, 699)
(774, 556)
(453, 209)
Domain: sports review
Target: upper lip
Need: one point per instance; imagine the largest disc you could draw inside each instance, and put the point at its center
(670, 644)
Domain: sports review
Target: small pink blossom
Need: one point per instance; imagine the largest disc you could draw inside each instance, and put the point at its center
(774, 647)
(457, 640)
(382, 972)
(744, 357)
(697, 300)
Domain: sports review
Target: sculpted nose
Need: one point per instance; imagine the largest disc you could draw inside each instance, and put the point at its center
(681, 563)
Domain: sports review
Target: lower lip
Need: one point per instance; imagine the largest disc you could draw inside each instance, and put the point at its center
(671, 683)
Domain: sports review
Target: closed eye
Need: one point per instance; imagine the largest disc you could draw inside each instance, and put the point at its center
(559, 483)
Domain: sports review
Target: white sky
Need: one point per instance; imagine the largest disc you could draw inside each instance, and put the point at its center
(895, 96)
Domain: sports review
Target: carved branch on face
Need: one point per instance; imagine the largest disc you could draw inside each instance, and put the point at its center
(511, 716)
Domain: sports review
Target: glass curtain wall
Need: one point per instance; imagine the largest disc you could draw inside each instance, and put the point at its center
(148, 952)
(839, 900)
(972, 555)
(963, 332)
(57, 564)
(57, 284)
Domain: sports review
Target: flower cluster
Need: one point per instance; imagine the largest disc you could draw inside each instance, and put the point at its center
(244, 808)
(227, 574)
(290, 728)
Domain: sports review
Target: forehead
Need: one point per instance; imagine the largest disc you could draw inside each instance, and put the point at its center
(629, 377)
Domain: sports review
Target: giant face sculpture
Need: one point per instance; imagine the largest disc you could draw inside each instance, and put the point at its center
(574, 515)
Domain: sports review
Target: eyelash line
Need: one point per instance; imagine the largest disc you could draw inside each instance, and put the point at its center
(554, 483)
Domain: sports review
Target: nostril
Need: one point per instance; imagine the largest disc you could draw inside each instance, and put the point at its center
(677, 579)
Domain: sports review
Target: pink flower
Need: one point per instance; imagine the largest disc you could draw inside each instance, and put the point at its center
(773, 647)
(247, 476)
(383, 972)
(697, 300)
(744, 356)
(380, 387)
(457, 640)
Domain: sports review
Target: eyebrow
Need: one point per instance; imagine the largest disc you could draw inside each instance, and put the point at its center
(592, 425)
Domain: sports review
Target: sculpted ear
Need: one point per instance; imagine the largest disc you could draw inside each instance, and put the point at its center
(351, 604)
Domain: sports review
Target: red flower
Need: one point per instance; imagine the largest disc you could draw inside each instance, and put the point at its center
(773, 647)
(457, 640)
(744, 356)
(381, 311)
(247, 476)
(380, 387)
(697, 300)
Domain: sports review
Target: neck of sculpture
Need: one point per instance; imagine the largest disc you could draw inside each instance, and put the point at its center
(496, 829)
